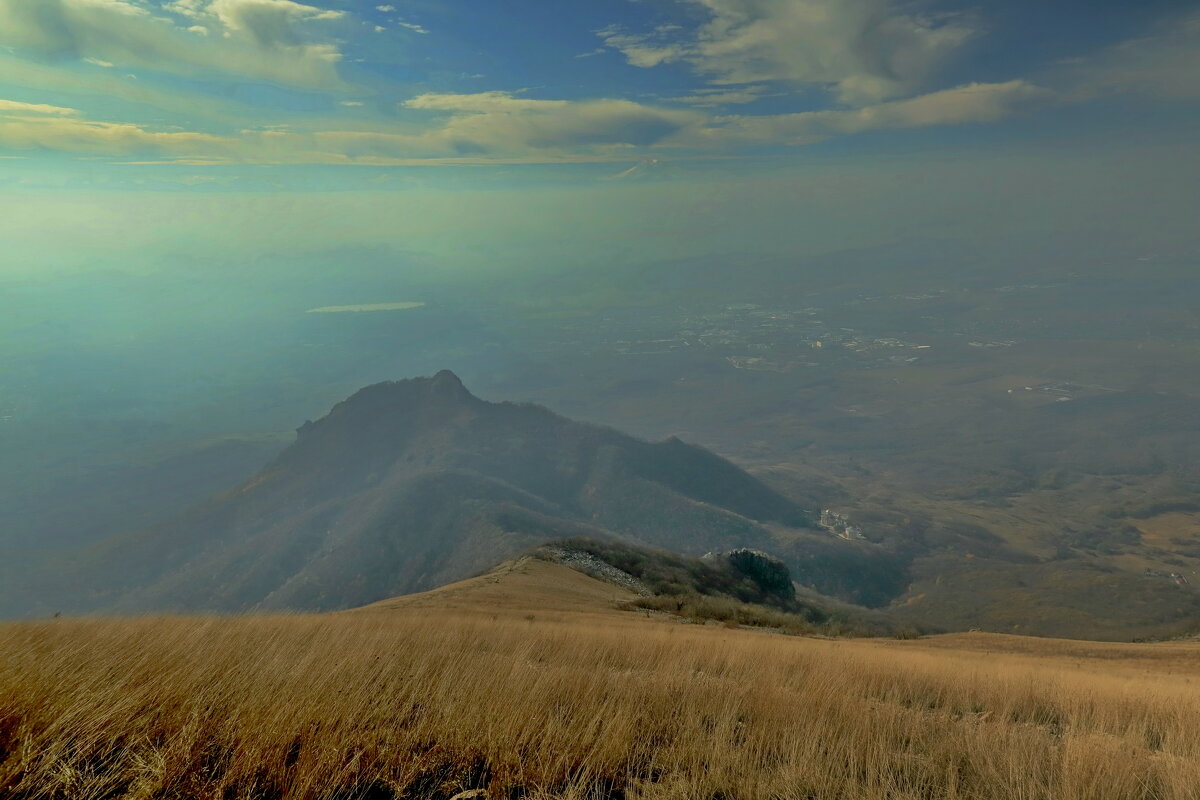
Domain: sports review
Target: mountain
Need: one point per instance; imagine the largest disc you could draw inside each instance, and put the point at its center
(412, 484)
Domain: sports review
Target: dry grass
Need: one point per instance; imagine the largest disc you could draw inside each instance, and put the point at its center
(700, 608)
(420, 701)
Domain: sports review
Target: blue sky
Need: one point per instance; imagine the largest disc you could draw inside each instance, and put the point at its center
(226, 83)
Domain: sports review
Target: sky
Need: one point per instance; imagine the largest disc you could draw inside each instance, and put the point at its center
(486, 135)
(211, 83)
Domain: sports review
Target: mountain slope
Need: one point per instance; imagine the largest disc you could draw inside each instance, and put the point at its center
(739, 588)
(412, 484)
(522, 584)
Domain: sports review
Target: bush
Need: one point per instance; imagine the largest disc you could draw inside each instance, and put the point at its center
(769, 573)
(703, 608)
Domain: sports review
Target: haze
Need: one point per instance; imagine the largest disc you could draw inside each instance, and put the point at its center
(785, 230)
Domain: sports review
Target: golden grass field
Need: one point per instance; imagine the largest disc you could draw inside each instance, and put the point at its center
(527, 683)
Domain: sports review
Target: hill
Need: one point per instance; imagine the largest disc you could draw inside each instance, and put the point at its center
(412, 484)
(525, 584)
(739, 588)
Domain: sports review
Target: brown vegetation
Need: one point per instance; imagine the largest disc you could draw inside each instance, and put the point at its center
(471, 688)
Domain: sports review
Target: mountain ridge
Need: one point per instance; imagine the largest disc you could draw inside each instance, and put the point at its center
(407, 485)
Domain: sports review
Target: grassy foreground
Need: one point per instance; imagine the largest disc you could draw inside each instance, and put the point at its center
(422, 701)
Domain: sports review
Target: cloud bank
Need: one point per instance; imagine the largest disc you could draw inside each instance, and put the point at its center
(267, 40)
(863, 51)
(498, 127)
(975, 103)
(866, 65)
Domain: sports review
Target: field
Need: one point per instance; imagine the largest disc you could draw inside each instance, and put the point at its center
(528, 683)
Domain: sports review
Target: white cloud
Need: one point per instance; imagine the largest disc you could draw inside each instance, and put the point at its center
(412, 26)
(271, 21)
(641, 169)
(721, 97)
(863, 50)
(13, 107)
(480, 128)
(971, 104)
(644, 49)
(111, 84)
(385, 8)
(273, 25)
(67, 133)
(187, 8)
(267, 40)
(494, 122)
(500, 127)
(482, 102)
